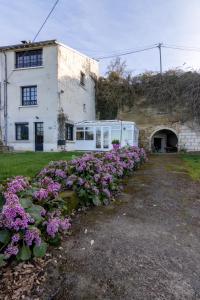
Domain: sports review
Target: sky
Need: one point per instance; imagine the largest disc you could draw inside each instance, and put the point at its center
(103, 27)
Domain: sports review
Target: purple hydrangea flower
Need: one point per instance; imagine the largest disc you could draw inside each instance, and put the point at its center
(32, 235)
(15, 238)
(11, 250)
(40, 195)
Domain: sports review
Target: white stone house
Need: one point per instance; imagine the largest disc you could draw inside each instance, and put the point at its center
(46, 87)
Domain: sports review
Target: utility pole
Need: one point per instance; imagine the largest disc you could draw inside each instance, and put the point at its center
(160, 54)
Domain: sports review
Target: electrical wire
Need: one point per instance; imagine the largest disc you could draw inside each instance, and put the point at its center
(46, 19)
(126, 53)
(115, 51)
(181, 48)
(38, 32)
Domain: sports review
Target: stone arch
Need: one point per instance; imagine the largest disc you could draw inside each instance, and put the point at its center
(164, 139)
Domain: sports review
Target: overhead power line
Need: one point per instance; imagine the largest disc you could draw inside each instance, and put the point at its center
(40, 29)
(126, 53)
(46, 19)
(181, 48)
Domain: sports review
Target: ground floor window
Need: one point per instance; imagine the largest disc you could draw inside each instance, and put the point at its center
(21, 131)
(85, 133)
(69, 132)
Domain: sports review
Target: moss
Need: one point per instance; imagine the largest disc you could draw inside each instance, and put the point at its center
(71, 201)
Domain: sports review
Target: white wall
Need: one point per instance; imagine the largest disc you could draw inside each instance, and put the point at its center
(45, 78)
(74, 96)
(60, 71)
(189, 138)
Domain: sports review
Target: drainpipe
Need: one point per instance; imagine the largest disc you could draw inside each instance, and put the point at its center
(5, 100)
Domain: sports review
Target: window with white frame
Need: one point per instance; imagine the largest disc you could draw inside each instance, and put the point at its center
(116, 132)
(85, 133)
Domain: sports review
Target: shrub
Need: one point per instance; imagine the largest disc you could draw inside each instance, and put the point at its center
(32, 214)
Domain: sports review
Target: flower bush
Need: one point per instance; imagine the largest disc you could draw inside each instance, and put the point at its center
(33, 215)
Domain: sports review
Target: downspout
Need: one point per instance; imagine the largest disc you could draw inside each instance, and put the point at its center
(5, 100)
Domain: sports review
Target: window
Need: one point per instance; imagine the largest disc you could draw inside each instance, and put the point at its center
(21, 131)
(29, 95)
(128, 132)
(82, 78)
(85, 133)
(28, 58)
(116, 132)
(89, 133)
(69, 132)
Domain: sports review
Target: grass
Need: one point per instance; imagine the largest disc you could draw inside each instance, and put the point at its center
(192, 164)
(29, 163)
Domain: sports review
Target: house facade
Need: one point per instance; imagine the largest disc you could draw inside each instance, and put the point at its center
(46, 87)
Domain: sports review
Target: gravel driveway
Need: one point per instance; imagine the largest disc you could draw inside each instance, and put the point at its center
(146, 246)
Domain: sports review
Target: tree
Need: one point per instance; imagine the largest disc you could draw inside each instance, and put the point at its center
(117, 69)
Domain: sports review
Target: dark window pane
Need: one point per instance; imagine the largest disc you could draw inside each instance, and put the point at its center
(29, 95)
(69, 130)
(28, 58)
(89, 135)
(80, 135)
(21, 130)
(82, 78)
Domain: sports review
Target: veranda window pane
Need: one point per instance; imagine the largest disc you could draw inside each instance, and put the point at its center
(89, 135)
(80, 135)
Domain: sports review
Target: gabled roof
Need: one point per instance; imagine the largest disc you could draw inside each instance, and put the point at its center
(28, 45)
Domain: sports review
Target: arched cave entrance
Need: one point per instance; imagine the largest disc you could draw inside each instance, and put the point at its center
(164, 141)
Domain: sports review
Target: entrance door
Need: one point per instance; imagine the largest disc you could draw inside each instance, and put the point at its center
(39, 136)
(158, 144)
(102, 138)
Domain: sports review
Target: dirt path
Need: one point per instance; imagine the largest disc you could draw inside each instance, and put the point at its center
(148, 247)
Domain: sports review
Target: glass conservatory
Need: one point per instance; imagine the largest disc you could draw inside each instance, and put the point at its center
(98, 135)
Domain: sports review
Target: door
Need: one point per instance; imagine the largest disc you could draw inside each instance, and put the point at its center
(158, 144)
(39, 136)
(102, 138)
(106, 137)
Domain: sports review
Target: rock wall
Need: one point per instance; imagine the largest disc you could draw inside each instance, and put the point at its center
(150, 119)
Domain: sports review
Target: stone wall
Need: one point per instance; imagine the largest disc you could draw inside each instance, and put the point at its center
(151, 119)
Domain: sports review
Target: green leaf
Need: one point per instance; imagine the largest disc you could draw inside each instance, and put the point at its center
(4, 236)
(24, 253)
(35, 212)
(1, 201)
(55, 241)
(2, 260)
(96, 201)
(40, 251)
(26, 203)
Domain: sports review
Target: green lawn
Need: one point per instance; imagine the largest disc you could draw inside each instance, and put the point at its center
(29, 163)
(192, 164)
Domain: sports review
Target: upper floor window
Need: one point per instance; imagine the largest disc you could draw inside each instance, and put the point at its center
(29, 95)
(69, 132)
(82, 78)
(21, 131)
(28, 58)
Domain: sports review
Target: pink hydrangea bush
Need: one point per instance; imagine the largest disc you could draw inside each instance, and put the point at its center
(96, 176)
(32, 214)
(24, 223)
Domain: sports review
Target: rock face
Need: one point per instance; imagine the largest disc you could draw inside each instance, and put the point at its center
(174, 129)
